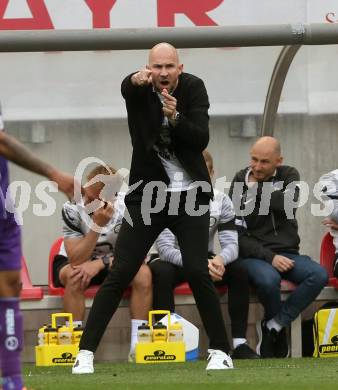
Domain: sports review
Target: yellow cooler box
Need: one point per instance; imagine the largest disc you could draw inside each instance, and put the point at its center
(58, 344)
(158, 343)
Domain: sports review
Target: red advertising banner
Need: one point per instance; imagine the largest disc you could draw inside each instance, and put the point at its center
(42, 15)
(40, 19)
(196, 11)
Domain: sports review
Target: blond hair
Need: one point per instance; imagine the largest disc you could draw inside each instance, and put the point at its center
(101, 170)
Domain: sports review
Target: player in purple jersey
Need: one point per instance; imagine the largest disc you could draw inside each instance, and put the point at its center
(11, 326)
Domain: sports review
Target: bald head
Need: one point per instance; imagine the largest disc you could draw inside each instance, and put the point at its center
(267, 143)
(165, 67)
(265, 158)
(162, 49)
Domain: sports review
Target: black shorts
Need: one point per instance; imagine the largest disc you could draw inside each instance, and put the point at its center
(60, 261)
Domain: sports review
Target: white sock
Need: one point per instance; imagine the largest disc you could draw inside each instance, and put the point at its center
(273, 324)
(133, 337)
(237, 341)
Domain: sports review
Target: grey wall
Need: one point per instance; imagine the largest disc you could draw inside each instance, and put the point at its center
(308, 142)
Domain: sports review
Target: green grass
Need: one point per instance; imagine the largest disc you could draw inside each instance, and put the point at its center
(268, 374)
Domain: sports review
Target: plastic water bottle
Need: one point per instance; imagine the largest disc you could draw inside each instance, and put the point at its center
(52, 335)
(64, 335)
(144, 334)
(159, 332)
(42, 336)
(175, 332)
(77, 333)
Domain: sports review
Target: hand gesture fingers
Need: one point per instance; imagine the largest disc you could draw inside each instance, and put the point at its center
(215, 272)
(287, 263)
(108, 208)
(168, 112)
(141, 78)
(214, 276)
(282, 263)
(76, 275)
(85, 281)
(169, 104)
(167, 95)
(104, 214)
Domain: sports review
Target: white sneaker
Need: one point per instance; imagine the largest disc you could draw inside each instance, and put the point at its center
(219, 360)
(83, 363)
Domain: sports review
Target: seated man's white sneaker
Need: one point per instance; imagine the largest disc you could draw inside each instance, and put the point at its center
(219, 360)
(83, 363)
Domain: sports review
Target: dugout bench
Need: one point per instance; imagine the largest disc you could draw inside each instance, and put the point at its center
(34, 298)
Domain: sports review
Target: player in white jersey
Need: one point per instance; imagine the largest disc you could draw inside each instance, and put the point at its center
(88, 252)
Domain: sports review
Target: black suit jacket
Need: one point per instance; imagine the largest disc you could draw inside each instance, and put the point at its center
(190, 136)
(275, 232)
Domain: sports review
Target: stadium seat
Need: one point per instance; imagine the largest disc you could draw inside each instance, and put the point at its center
(54, 250)
(327, 253)
(52, 289)
(28, 292)
(184, 289)
(286, 285)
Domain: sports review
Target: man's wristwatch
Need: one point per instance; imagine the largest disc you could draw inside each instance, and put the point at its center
(106, 261)
(175, 119)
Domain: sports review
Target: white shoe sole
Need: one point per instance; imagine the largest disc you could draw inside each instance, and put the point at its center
(219, 368)
(78, 371)
(218, 363)
(82, 372)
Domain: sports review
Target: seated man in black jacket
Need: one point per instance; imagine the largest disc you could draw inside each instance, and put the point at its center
(265, 197)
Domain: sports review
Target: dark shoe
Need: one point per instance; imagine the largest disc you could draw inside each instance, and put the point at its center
(335, 267)
(243, 351)
(281, 344)
(266, 340)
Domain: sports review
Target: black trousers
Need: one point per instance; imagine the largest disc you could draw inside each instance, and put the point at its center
(166, 276)
(132, 246)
